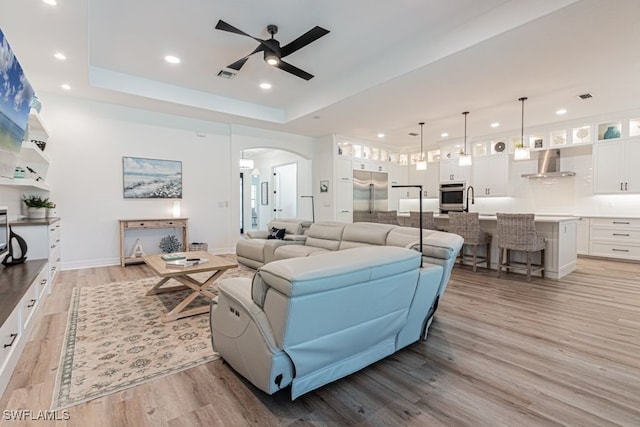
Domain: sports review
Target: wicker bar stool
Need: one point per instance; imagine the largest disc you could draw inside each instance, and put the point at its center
(428, 223)
(518, 232)
(467, 225)
(387, 217)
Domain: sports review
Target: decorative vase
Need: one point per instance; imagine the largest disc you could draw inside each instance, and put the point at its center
(611, 132)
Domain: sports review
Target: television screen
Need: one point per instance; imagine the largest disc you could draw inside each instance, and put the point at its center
(4, 232)
(15, 100)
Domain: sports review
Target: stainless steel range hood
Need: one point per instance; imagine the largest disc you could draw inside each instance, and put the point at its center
(548, 166)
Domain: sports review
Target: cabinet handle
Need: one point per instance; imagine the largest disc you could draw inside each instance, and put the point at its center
(625, 186)
(620, 250)
(33, 302)
(13, 338)
(345, 179)
(621, 234)
(43, 282)
(621, 187)
(344, 211)
(621, 222)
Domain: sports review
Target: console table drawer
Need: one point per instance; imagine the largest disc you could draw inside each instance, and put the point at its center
(155, 224)
(29, 302)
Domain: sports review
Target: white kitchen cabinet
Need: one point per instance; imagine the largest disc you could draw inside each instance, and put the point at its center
(343, 170)
(25, 284)
(429, 179)
(344, 201)
(615, 238)
(491, 176)
(450, 171)
(615, 169)
(583, 236)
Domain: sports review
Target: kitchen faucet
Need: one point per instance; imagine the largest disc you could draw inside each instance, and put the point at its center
(471, 190)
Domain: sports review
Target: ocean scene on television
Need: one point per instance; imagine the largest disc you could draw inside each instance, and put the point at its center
(15, 97)
(151, 178)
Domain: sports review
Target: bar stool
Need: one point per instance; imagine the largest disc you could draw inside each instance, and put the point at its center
(467, 225)
(518, 232)
(428, 223)
(387, 217)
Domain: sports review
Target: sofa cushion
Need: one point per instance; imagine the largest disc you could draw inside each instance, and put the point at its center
(296, 251)
(364, 234)
(325, 235)
(291, 225)
(251, 249)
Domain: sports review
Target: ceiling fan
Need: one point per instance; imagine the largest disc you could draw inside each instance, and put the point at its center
(273, 53)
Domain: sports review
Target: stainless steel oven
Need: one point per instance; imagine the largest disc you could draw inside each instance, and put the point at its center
(452, 197)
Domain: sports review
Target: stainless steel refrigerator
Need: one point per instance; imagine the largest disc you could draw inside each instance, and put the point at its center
(370, 195)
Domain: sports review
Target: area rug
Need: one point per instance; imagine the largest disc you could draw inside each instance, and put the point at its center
(115, 339)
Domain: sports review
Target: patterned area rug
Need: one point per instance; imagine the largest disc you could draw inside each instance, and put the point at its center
(116, 340)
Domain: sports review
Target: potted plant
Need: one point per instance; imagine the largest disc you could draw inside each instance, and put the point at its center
(51, 209)
(37, 206)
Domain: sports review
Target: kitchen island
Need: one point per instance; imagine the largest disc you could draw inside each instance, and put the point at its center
(560, 233)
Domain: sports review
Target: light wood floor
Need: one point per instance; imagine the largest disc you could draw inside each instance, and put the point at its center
(501, 352)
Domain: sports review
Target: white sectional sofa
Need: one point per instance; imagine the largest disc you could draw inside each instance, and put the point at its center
(351, 295)
(256, 249)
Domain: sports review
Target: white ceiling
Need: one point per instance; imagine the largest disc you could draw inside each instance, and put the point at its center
(384, 67)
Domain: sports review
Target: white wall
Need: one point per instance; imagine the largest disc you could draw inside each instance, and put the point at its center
(88, 141)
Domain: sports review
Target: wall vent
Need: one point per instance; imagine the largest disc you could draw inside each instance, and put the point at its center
(226, 74)
(585, 96)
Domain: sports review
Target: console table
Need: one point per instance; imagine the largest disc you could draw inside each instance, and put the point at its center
(156, 223)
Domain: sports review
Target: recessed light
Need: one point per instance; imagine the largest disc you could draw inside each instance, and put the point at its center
(444, 134)
(495, 124)
(65, 86)
(561, 111)
(265, 85)
(60, 56)
(50, 2)
(172, 59)
(381, 135)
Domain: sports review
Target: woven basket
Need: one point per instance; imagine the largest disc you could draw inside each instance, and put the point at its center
(198, 247)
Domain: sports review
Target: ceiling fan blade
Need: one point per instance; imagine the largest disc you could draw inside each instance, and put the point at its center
(240, 62)
(224, 26)
(309, 37)
(293, 70)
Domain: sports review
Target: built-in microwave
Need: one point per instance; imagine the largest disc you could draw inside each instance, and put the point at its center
(452, 196)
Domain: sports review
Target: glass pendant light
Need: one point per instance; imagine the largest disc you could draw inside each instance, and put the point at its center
(465, 158)
(421, 165)
(245, 163)
(521, 152)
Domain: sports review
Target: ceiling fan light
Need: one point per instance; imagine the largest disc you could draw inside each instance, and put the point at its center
(421, 165)
(271, 58)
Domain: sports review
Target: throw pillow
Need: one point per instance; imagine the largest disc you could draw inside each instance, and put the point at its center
(277, 233)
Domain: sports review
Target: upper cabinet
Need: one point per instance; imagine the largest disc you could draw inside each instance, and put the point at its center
(33, 163)
(450, 171)
(491, 176)
(615, 169)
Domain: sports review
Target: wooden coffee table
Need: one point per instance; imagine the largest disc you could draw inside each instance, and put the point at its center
(217, 265)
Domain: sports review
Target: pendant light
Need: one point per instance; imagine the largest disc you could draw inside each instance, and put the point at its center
(245, 163)
(522, 152)
(465, 158)
(421, 165)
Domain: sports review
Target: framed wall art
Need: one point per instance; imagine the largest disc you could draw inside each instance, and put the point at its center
(324, 186)
(151, 178)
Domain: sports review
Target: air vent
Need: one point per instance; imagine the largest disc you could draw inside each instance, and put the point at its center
(585, 96)
(413, 134)
(226, 74)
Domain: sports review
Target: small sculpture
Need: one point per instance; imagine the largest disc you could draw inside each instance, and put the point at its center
(11, 258)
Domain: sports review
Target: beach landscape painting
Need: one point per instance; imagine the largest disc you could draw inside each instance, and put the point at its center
(15, 98)
(151, 178)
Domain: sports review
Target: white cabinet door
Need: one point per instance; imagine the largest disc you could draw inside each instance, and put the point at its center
(450, 171)
(583, 236)
(343, 170)
(491, 176)
(608, 167)
(432, 186)
(344, 201)
(631, 156)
